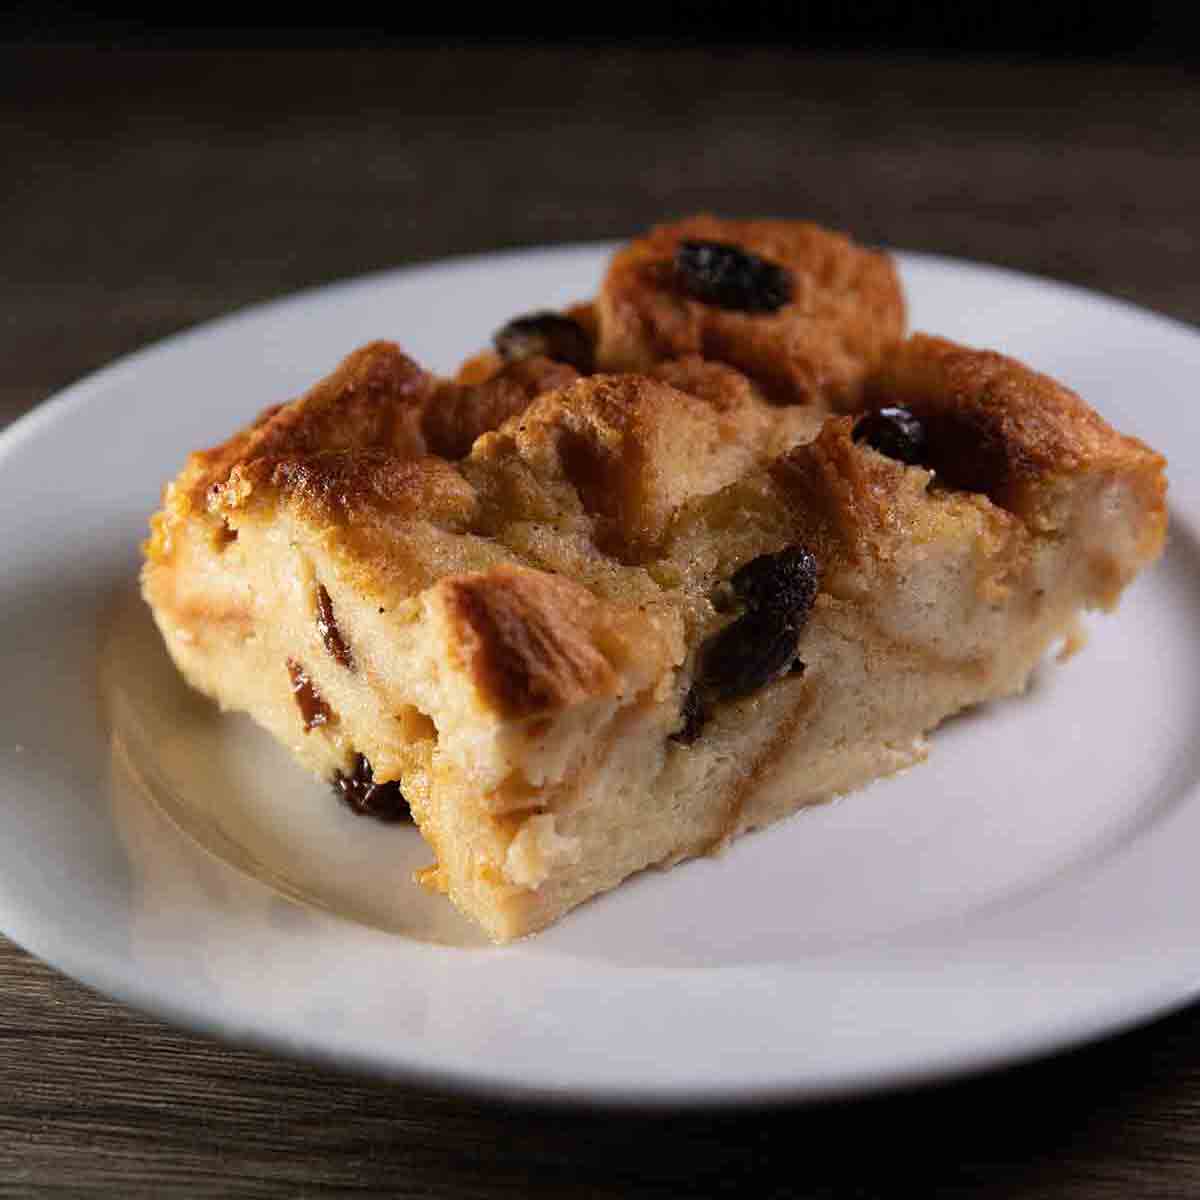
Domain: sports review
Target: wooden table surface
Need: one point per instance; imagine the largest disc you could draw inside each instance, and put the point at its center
(142, 193)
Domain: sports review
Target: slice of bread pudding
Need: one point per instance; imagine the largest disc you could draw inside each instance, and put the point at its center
(649, 611)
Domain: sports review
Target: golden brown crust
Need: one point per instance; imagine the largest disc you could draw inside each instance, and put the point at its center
(724, 388)
(847, 309)
(853, 508)
(1001, 429)
(838, 495)
(633, 449)
(342, 488)
(381, 516)
(622, 455)
(522, 637)
(462, 410)
(372, 399)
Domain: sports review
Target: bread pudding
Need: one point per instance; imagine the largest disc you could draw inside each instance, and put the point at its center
(610, 596)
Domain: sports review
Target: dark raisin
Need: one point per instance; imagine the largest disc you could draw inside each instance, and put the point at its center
(776, 592)
(727, 276)
(331, 635)
(313, 709)
(692, 717)
(969, 450)
(895, 432)
(547, 335)
(360, 792)
(747, 655)
(784, 583)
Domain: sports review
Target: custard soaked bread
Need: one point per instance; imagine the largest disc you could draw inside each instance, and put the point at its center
(649, 611)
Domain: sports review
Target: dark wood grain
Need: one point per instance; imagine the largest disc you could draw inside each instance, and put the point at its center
(142, 193)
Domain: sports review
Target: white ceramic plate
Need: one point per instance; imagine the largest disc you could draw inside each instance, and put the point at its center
(1032, 886)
